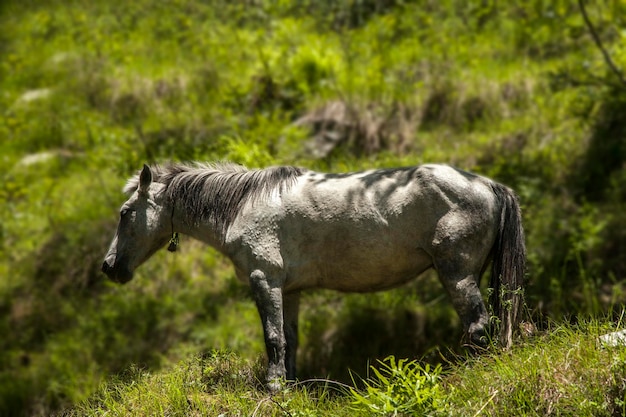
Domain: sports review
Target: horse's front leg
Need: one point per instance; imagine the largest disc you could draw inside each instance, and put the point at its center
(291, 305)
(267, 294)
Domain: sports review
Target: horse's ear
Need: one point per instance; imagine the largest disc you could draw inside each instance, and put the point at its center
(145, 179)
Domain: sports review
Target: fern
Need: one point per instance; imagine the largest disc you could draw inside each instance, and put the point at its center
(400, 387)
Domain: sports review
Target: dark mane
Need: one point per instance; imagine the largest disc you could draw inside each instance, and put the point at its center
(217, 192)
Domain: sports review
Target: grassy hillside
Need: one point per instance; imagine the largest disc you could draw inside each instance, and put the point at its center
(91, 90)
(564, 372)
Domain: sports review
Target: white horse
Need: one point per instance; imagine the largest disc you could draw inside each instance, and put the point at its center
(287, 229)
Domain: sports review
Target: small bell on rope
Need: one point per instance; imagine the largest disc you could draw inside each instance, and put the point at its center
(173, 243)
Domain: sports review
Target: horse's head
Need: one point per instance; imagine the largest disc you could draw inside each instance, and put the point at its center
(145, 226)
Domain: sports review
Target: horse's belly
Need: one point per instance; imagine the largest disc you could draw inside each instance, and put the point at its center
(362, 273)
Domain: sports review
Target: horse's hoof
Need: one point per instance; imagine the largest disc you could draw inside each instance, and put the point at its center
(479, 339)
(275, 385)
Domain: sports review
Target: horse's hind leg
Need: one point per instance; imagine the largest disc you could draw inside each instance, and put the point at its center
(291, 304)
(464, 291)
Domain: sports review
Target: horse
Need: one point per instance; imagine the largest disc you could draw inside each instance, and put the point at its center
(288, 229)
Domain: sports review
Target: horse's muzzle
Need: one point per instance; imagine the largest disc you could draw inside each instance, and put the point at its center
(114, 272)
(107, 269)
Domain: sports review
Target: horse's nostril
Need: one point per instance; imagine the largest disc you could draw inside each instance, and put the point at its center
(105, 267)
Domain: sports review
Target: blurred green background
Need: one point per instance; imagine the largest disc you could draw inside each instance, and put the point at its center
(91, 90)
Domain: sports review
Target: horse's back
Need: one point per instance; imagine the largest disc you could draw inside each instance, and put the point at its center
(390, 199)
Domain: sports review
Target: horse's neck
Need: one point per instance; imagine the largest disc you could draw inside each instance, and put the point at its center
(201, 230)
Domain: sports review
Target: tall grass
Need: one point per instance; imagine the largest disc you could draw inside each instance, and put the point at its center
(564, 372)
(217, 383)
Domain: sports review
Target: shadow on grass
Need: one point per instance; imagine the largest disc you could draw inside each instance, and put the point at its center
(347, 343)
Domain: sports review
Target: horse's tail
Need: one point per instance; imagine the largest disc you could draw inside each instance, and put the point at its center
(508, 265)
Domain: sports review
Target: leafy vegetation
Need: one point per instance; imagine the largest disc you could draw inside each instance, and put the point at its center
(402, 387)
(92, 90)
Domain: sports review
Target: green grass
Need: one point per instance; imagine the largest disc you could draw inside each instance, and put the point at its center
(217, 383)
(564, 371)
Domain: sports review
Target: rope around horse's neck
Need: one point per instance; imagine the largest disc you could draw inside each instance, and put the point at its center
(174, 240)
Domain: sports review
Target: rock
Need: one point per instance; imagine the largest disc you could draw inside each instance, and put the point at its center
(613, 339)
